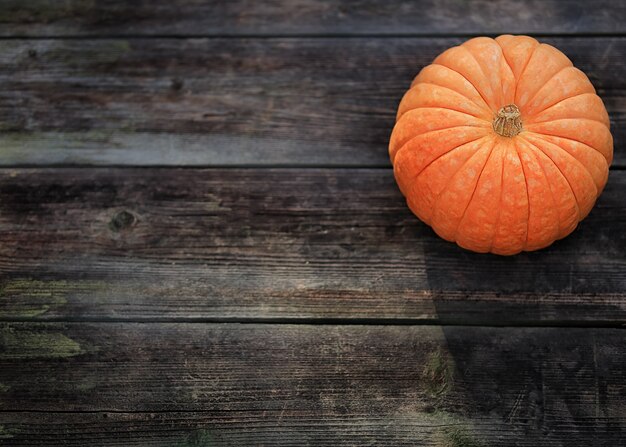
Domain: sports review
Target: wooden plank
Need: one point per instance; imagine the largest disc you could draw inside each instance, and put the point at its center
(214, 102)
(214, 17)
(281, 243)
(311, 385)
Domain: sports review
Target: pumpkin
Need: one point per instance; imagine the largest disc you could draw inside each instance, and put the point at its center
(501, 145)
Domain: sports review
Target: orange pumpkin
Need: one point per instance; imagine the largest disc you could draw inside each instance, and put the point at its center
(501, 145)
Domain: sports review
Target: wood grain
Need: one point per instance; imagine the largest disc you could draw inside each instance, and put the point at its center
(235, 102)
(315, 17)
(298, 244)
(164, 384)
(131, 297)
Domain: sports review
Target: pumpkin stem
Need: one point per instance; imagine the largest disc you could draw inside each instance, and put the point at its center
(507, 121)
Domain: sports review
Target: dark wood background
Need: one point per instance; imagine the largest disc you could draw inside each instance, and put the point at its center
(202, 244)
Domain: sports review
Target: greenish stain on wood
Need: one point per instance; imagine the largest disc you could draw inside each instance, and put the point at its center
(69, 147)
(4, 388)
(25, 312)
(438, 373)
(198, 438)
(18, 140)
(20, 343)
(454, 430)
(50, 288)
(30, 298)
(86, 384)
(76, 147)
(450, 429)
(6, 433)
(105, 52)
(458, 436)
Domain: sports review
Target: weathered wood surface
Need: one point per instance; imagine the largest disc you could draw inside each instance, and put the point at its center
(159, 384)
(215, 17)
(212, 102)
(161, 244)
(112, 280)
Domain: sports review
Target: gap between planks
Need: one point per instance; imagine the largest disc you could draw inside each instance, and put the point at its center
(215, 167)
(390, 322)
(355, 35)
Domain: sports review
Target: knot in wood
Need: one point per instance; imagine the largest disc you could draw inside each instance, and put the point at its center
(121, 221)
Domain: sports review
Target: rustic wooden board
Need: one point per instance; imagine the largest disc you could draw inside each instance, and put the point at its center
(173, 384)
(298, 244)
(214, 102)
(192, 17)
(123, 290)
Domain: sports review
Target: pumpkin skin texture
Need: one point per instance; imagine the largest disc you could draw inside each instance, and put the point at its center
(501, 145)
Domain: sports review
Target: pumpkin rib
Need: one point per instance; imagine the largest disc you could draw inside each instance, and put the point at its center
(451, 150)
(487, 123)
(508, 38)
(497, 224)
(510, 66)
(482, 169)
(573, 160)
(510, 237)
(543, 159)
(475, 88)
(562, 174)
(588, 105)
(585, 147)
(540, 64)
(567, 138)
(543, 225)
(482, 69)
(397, 151)
(440, 178)
(439, 107)
(521, 73)
(482, 104)
(416, 175)
(575, 77)
(532, 151)
(558, 103)
(441, 193)
(506, 41)
(521, 162)
(406, 182)
(570, 139)
(546, 83)
(396, 142)
(492, 69)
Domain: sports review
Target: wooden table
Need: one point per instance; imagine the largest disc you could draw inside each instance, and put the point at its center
(202, 243)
